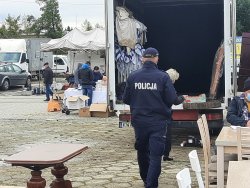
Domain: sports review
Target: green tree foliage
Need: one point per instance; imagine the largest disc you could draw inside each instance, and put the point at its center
(68, 29)
(87, 25)
(50, 21)
(11, 29)
(98, 26)
(29, 25)
(3, 32)
(242, 16)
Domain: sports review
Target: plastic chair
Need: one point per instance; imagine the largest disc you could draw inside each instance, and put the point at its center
(183, 178)
(195, 165)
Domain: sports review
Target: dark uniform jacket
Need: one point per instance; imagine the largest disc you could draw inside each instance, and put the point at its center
(150, 94)
(86, 76)
(235, 112)
(97, 76)
(48, 75)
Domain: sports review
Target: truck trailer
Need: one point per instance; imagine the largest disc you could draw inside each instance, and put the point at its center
(27, 54)
(187, 34)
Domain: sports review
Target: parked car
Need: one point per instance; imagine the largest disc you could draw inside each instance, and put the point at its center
(13, 75)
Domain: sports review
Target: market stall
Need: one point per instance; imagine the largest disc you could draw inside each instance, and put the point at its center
(77, 41)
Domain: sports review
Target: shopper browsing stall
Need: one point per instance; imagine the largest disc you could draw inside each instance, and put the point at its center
(86, 76)
(48, 80)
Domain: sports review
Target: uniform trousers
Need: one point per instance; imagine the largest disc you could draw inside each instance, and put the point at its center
(150, 146)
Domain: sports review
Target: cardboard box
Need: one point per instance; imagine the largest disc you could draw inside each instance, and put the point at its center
(58, 96)
(125, 117)
(77, 102)
(84, 112)
(53, 105)
(100, 110)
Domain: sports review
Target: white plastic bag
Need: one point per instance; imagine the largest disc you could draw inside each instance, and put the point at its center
(125, 28)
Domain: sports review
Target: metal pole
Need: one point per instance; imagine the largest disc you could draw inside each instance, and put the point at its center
(235, 86)
(107, 49)
(39, 73)
(56, 64)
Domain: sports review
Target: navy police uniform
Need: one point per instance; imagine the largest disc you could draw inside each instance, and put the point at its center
(150, 94)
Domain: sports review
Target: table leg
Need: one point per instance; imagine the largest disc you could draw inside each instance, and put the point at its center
(59, 171)
(36, 180)
(220, 167)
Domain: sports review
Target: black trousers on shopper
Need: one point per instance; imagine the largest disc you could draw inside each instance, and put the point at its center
(168, 142)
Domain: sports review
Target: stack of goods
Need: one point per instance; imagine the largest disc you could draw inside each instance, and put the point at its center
(101, 85)
(129, 40)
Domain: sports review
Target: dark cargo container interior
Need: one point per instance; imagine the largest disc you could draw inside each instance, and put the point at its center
(187, 35)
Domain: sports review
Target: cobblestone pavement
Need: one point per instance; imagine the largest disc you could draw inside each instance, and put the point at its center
(110, 162)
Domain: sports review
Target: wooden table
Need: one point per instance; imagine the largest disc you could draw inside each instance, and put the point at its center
(47, 155)
(226, 142)
(238, 174)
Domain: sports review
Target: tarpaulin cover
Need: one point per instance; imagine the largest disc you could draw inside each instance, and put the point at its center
(78, 40)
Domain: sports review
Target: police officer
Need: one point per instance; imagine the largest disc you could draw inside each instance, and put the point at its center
(150, 94)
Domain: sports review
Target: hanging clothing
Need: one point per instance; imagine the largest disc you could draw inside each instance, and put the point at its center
(125, 28)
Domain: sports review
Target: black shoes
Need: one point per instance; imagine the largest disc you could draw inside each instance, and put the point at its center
(46, 100)
(167, 158)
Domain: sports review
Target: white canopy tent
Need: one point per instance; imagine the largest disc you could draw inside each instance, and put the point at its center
(77, 40)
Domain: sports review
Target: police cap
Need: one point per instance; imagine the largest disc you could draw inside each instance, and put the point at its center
(150, 52)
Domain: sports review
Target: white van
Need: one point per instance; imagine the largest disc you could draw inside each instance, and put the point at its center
(60, 64)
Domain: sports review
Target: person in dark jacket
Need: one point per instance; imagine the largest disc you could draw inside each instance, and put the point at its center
(97, 74)
(238, 112)
(150, 94)
(174, 75)
(48, 80)
(76, 79)
(86, 76)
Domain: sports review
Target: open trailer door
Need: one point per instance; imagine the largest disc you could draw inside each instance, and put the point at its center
(244, 66)
(184, 27)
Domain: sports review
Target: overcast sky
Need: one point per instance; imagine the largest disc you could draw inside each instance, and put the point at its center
(73, 12)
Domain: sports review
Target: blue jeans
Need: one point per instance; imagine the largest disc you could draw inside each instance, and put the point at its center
(88, 90)
(48, 91)
(150, 145)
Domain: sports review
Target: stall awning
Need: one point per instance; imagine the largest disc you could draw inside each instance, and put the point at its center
(78, 40)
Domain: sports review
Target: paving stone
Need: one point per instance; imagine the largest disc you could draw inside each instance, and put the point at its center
(122, 179)
(96, 182)
(81, 179)
(121, 185)
(104, 176)
(109, 162)
(113, 168)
